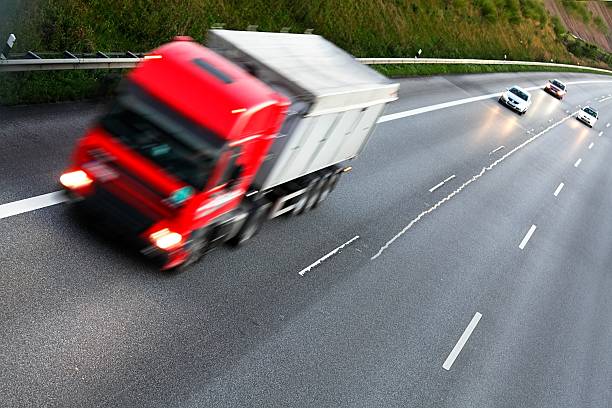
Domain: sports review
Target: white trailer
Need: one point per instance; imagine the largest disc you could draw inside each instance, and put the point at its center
(335, 104)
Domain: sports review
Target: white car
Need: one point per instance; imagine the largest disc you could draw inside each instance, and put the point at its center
(587, 115)
(516, 98)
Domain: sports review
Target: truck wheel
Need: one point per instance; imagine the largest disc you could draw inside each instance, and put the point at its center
(252, 225)
(300, 207)
(196, 248)
(314, 194)
(328, 187)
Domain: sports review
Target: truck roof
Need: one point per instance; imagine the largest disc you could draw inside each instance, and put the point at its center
(308, 66)
(203, 86)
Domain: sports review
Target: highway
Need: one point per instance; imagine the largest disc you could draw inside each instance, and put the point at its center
(475, 273)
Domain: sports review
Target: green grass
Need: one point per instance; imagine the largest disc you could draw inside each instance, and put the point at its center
(398, 70)
(601, 24)
(365, 28)
(33, 87)
(578, 8)
(55, 86)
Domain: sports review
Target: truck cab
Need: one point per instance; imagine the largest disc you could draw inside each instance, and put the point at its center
(176, 151)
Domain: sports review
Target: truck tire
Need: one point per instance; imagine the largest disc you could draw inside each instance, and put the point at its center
(196, 248)
(300, 207)
(257, 216)
(330, 183)
(314, 194)
(334, 180)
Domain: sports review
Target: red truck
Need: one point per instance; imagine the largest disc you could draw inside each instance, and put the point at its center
(201, 145)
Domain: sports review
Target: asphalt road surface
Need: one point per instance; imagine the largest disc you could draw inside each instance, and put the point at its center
(477, 278)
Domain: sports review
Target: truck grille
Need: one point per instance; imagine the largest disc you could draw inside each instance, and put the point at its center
(116, 213)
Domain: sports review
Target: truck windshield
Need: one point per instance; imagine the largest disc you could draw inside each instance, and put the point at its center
(181, 147)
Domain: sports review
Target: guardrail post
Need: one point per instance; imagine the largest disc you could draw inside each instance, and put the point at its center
(7, 47)
(32, 55)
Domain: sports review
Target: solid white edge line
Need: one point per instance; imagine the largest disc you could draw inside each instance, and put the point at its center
(591, 145)
(335, 251)
(527, 237)
(497, 150)
(425, 109)
(32, 203)
(448, 363)
(577, 162)
(559, 188)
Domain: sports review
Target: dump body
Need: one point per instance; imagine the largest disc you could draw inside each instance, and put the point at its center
(335, 100)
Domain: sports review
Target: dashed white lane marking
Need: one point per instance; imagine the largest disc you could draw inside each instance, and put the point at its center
(496, 150)
(437, 186)
(332, 253)
(32, 203)
(527, 237)
(600, 133)
(559, 188)
(577, 162)
(440, 184)
(607, 125)
(464, 185)
(448, 363)
(591, 145)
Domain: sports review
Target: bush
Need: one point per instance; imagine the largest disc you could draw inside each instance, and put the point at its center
(601, 24)
(578, 8)
(535, 10)
(487, 9)
(558, 26)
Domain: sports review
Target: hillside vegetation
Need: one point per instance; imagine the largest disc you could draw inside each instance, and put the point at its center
(588, 20)
(492, 29)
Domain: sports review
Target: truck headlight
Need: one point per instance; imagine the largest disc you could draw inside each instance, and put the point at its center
(75, 179)
(166, 239)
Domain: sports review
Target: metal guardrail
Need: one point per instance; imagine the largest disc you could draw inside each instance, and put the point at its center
(468, 61)
(52, 64)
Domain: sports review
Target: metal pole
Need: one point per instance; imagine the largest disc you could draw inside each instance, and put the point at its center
(7, 47)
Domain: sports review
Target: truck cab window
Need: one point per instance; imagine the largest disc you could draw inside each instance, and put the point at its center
(232, 172)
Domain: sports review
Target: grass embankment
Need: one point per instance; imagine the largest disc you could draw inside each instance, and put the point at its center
(365, 28)
(398, 71)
